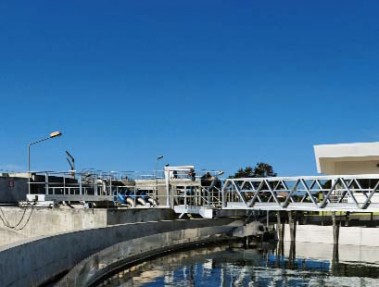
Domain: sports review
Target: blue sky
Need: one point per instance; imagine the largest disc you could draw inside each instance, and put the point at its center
(218, 84)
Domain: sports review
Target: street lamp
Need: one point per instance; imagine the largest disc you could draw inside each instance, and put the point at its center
(156, 165)
(52, 135)
(156, 174)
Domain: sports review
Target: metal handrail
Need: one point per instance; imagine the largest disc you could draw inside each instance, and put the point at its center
(357, 192)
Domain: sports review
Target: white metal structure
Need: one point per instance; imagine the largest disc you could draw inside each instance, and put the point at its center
(353, 193)
(186, 194)
(49, 188)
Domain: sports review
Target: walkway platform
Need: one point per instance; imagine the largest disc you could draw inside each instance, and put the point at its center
(349, 193)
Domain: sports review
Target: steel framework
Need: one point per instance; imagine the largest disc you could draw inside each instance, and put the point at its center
(354, 193)
(185, 194)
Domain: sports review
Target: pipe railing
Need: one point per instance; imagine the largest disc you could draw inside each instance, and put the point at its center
(352, 191)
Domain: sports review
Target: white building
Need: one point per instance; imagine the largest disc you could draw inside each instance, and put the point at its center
(346, 159)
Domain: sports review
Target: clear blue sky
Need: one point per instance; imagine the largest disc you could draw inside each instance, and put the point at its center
(218, 84)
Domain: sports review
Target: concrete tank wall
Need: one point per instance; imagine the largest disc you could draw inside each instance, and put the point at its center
(360, 236)
(45, 221)
(97, 266)
(33, 262)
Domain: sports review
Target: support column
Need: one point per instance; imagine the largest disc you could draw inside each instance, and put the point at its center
(336, 231)
(336, 228)
(292, 224)
(280, 235)
(347, 218)
(292, 254)
(335, 259)
(280, 229)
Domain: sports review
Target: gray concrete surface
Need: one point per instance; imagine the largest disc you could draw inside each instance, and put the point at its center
(33, 262)
(44, 221)
(360, 236)
(111, 259)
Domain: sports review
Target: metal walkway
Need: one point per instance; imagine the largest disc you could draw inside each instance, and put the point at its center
(50, 188)
(180, 190)
(353, 193)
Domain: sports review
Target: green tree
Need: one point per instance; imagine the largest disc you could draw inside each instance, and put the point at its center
(261, 169)
(244, 172)
(264, 170)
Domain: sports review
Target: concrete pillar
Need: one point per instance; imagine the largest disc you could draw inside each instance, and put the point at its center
(280, 234)
(292, 224)
(292, 254)
(280, 249)
(280, 227)
(347, 218)
(335, 259)
(322, 218)
(304, 217)
(336, 228)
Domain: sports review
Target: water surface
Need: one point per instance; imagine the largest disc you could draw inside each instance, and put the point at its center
(271, 265)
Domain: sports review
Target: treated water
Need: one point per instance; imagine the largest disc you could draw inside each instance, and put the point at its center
(280, 265)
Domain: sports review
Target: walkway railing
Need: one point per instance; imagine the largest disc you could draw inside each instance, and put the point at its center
(88, 187)
(199, 196)
(354, 193)
(313, 193)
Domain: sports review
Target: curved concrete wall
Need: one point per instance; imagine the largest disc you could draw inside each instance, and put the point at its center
(33, 262)
(44, 221)
(95, 268)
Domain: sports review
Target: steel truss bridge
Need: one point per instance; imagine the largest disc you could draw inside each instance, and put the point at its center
(347, 193)
(353, 193)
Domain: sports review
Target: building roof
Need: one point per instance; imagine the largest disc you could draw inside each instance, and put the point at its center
(347, 158)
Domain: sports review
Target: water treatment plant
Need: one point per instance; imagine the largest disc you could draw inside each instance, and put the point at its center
(78, 228)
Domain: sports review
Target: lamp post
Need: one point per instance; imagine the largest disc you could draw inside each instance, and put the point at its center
(52, 135)
(156, 165)
(156, 174)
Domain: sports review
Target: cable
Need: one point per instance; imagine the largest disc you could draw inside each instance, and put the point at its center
(27, 221)
(7, 224)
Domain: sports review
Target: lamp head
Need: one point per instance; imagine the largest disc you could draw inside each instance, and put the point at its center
(55, 134)
(220, 172)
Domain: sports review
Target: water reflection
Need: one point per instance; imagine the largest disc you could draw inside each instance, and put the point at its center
(283, 264)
